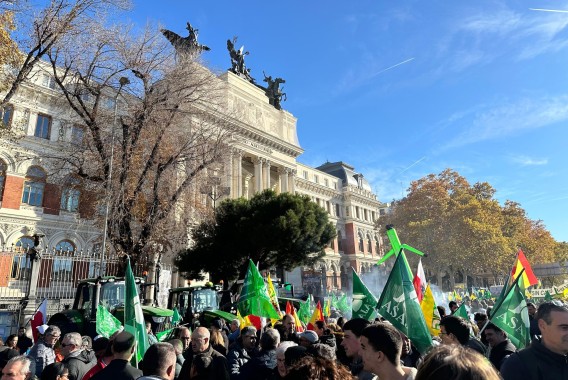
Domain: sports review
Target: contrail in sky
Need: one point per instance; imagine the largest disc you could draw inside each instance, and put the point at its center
(393, 66)
(549, 10)
(408, 167)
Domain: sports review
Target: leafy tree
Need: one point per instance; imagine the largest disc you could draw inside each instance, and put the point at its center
(465, 231)
(284, 230)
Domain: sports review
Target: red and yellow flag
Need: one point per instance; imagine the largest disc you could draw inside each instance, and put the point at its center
(292, 311)
(528, 275)
(316, 316)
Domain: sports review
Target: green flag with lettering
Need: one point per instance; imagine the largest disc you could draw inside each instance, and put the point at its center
(106, 323)
(254, 299)
(399, 305)
(342, 304)
(176, 317)
(304, 311)
(513, 317)
(363, 301)
(133, 316)
(547, 296)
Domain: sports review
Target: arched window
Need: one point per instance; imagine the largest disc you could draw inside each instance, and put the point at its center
(21, 265)
(377, 245)
(6, 115)
(339, 241)
(369, 244)
(361, 243)
(34, 186)
(62, 262)
(3, 168)
(70, 195)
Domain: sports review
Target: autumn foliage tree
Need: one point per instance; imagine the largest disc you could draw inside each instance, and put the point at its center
(464, 229)
(283, 231)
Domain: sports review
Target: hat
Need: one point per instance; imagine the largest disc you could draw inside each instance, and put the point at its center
(42, 329)
(217, 324)
(310, 336)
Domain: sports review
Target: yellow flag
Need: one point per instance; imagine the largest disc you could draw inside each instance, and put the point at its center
(273, 298)
(430, 311)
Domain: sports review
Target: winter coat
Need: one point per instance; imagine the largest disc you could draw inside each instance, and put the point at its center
(41, 355)
(118, 369)
(535, 363)
(500, 352)
(210, 365)
(329, 340)
(79, 363)
(237, 358)
(260, 367)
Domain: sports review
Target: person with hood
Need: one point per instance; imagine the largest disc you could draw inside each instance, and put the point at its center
(263, 366)
(77, 359)
(42, 353)
(241, 351)
(501, 346)
(325, 335)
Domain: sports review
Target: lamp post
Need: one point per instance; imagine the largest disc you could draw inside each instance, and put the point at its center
(214, 190)
(123, 81)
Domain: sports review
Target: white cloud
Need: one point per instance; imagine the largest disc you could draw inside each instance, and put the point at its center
(529, 161)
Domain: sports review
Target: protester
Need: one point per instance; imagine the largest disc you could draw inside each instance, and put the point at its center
(235, 331)
(159, 362)
(24, 342)
(325, 334)
(203, 361)
(441, 311)
(501, 346)
(241, 351)
(453, 305)
(123, 348)
(77, 359)
(42, 353)
(178, 348)
(55, 371)
(545, 358)
(282, 370)
(263, 366)
(103, 351)
(182, 333)
(456, 362)
(534, 329)
(9, 351)
(308, 338)
(87, 342)
(352, 332)
(217, 341)
(151, 337)
(18, 368)
(218, 325)
(409, 357)
(289, 329)
(316, 368)
(381, 346)
(455, 330)
(480, 320)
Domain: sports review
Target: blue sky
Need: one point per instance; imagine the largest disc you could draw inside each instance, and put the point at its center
(407, 88)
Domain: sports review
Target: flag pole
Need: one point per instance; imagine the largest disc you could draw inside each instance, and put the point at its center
(34, 313)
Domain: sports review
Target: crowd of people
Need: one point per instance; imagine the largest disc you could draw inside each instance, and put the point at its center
(335, 349)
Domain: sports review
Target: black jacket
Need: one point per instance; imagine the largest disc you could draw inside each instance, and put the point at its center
(328, 339)
(535, 363)
(261, 367)
(500, 352)
(118, 369)
(79, 364)
(210, 365)
(236, 359)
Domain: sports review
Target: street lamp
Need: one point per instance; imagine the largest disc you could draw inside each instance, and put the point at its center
(214, 190)
(123, 81)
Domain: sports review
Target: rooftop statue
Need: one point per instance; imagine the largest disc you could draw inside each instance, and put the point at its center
(273, 91)
(238, 60)
(185, 45)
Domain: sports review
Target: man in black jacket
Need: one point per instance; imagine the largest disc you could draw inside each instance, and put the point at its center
(203, 362)
(263, 366)
(76, 359)
(123, 348)
(546, 358)
(501, 346)
(241, 351)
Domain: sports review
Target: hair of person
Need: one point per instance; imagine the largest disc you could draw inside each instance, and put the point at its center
(293, 354)
(237, 322)
(334, 327)
(216, 337)
(53, 370)
(544, 310)
(11, 338)
(452, 303)
(492, 326)
(480, 317)
(531, 304)
(318, 368)
(177, 344)
(158, 358)
(340, 322)
(179, 330)
(270, 339)
(457, 326)
(87, 341)
(356, 325)
(24, 360)
(282, 347)
(123, 342)
(287, 316)
(322, 350)
(441, 310)
(453, 361)
(101, 343)
(248, 330)
(386, 338)
(320, 325)
(74, 338)
(52, 330)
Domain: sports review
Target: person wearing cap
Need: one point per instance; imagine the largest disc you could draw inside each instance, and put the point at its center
(308, 338)
(42, 353)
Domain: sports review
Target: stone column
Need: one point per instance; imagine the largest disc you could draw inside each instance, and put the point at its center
(291, 181)
(284, 179)
(267, 174)
(239, 173)
(258, 174)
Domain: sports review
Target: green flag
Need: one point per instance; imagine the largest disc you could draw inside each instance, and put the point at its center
(176, 317)
(399, 305)
(513, 317)
(547, 296)
(342, 304)
(363, 301)
(106, 323)
(304, 311)
(462, 312)
(164, 335)
(254, 299)
(133, 316)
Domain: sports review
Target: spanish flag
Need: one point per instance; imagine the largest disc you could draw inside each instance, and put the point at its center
(528, 276)
(316, 316)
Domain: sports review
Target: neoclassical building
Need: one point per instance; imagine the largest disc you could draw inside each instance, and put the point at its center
(265, 151)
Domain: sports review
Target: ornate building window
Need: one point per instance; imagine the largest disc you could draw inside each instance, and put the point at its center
(339, 242)
(43, 126)
(3, 168)
(361, 243)
(21, 265)
(6, 115)
(369, 244)
(62, 263)
(34, 186)
(70, 195)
